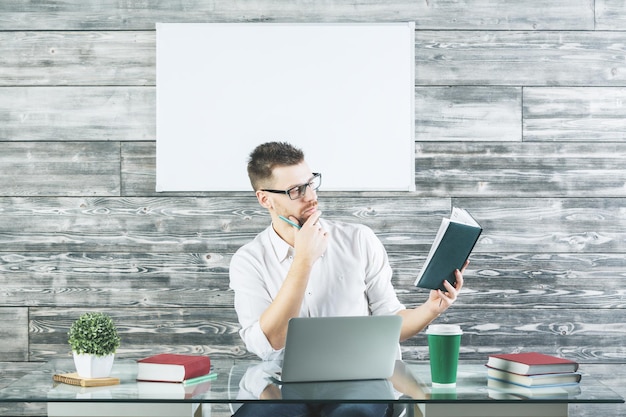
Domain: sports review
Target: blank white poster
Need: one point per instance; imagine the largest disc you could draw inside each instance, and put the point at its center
(343, 93)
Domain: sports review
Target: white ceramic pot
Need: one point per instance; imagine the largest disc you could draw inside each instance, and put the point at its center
(89, 366)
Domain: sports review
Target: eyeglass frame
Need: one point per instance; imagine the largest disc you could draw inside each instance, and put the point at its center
(301, 188)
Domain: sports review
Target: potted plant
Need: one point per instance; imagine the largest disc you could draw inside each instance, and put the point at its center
(94, 340)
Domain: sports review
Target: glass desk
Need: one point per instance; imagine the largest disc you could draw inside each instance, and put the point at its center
(243, 381)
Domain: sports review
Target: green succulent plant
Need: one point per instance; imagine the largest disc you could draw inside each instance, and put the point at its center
(95, 334)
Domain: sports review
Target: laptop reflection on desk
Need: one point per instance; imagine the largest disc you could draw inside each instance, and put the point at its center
(340, 348)
(370, 389)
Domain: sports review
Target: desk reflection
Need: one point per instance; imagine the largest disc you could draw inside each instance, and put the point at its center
(255, 382)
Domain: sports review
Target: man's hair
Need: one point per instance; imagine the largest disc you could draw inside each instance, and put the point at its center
(267, 156)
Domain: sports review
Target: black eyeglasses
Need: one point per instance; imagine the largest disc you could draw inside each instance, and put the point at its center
(299, 191)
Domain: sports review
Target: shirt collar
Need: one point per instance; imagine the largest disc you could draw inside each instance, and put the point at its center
(282, 249)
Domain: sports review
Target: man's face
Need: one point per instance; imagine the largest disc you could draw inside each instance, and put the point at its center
(286, 177)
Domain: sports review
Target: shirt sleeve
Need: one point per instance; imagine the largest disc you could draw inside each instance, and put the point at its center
(256, 379)
(251, 300)
(381, 294)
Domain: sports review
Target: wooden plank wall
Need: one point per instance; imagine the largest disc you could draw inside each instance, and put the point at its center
(520, 118)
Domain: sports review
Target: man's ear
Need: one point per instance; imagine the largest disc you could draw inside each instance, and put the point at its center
(264, 200)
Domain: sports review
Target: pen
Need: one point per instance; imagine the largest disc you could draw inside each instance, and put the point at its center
(207, 377)
(297, 226)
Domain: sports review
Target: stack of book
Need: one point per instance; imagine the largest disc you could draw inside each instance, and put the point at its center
(169, 375)
(531, 374)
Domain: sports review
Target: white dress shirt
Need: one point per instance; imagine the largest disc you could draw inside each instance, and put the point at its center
(352, 278)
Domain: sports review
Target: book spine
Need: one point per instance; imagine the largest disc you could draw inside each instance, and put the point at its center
(198, 368)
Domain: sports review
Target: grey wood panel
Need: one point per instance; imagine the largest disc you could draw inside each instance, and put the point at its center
(487, 15)
(537, 280)
(113, 14)
(538, 225)
(14, 333)
(59, 168)
(496, 169)
(175, 280)
(138, 169)
(586, 114)
(465, 169)
(133, 225)
(535, 225)
(434, 14)
(77, 58)
(468, 113)
(587, 336)
(115, 279)
(194, 224)
(515, 58)
(77, 113)
(144, 331)
(609, 15)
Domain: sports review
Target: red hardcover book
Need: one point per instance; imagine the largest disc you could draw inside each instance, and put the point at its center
(171, 367)
(531, 363)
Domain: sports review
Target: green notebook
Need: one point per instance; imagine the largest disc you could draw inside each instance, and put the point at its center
(452, 246)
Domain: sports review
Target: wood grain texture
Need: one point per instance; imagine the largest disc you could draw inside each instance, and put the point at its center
(495, 169)
(610, 14)
(14, 333)
(520, 58)
(504, 281)
(144, 331)
(487, 15)
(59, 168)
(468, 114)
(185, 280)
(432, 14)
(485, 169)
(584, 335)
(141, 15)
(97, 279)
(538, 225)
(77, 113)
(587, 336)
(584, 114)
(194, 224)
(77, 58)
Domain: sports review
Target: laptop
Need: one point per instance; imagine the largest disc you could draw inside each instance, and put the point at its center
(340, 348)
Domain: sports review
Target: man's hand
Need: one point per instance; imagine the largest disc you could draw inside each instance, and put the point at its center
(439, 301)
(311, 240)
(416, 319)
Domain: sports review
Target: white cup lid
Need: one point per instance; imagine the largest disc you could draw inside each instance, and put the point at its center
(444, 329)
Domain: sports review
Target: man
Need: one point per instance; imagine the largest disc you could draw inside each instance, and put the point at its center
(303, 265)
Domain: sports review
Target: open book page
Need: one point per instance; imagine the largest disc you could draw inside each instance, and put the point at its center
(442, 230)
(460, 215)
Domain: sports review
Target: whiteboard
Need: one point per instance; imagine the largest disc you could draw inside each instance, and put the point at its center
(343, 93)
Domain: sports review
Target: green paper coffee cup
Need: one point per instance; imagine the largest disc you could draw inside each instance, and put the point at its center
(444, 342)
